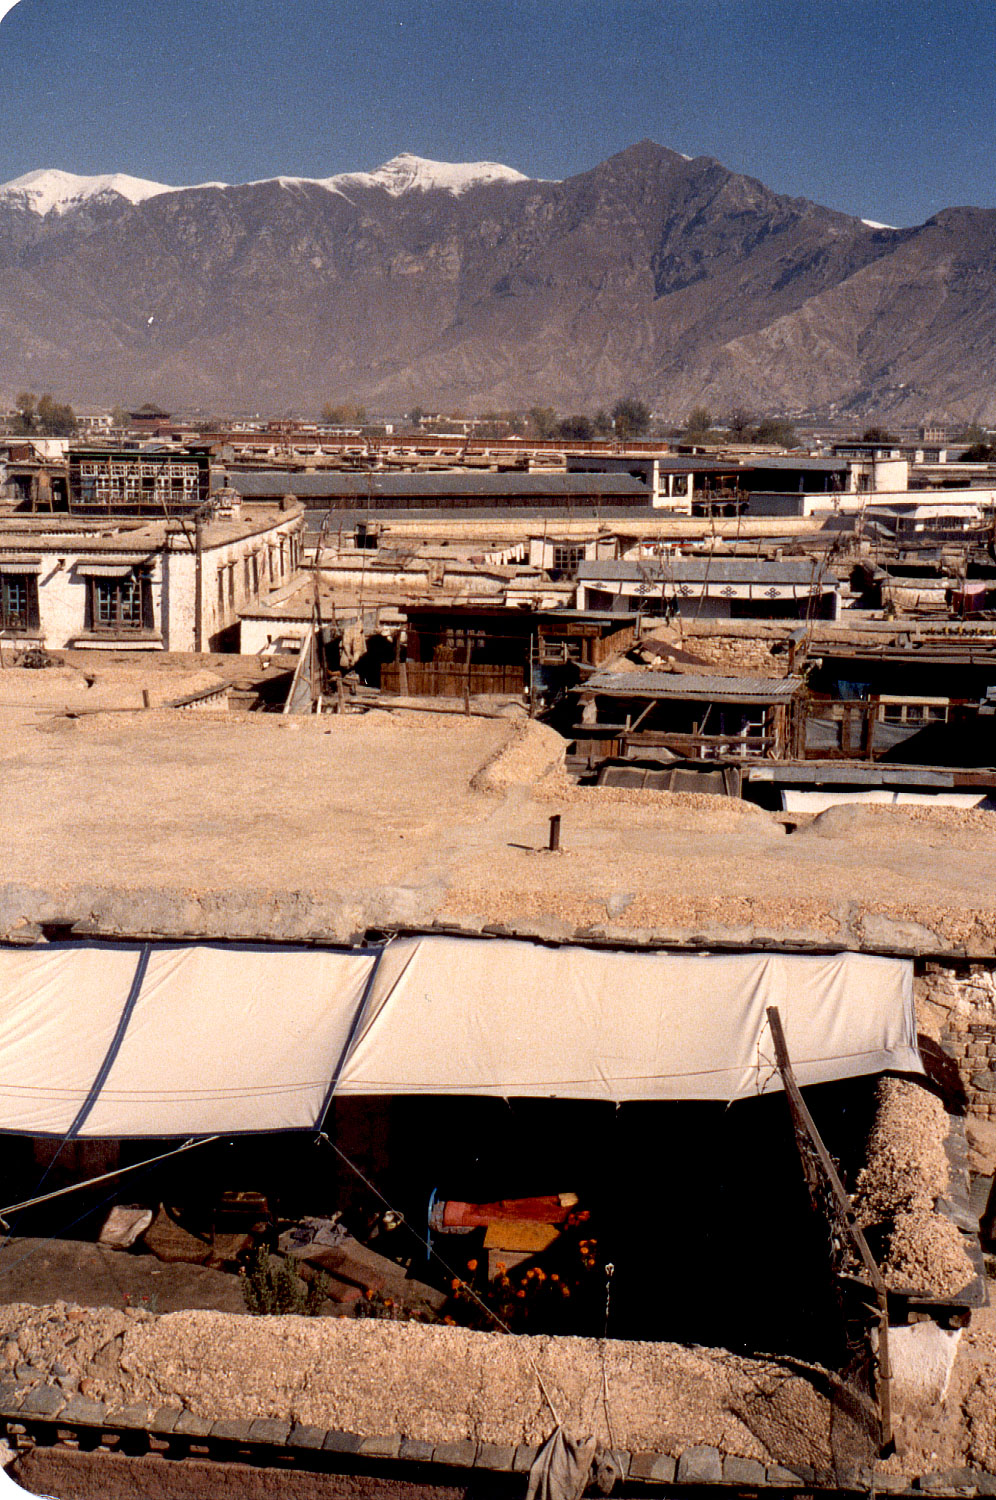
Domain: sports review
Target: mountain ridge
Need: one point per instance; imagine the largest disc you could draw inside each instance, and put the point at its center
(473, 285)
(51, 190)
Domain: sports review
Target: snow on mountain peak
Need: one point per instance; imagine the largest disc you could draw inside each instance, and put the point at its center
(51, 191)
(407, 173)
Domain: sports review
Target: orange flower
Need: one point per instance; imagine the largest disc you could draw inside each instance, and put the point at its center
(565, 1291)
(472, 1265)
(520, 1292)
(501, 1268)
(554, 1276)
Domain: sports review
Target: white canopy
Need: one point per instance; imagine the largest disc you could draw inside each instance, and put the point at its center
(101, 1039)
(192, 1039)
(500, 1017)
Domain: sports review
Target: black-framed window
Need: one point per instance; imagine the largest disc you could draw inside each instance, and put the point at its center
(18, 601)
(567, 557)
(121, 604)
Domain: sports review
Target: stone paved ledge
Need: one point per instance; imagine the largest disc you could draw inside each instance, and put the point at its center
(698, 1466)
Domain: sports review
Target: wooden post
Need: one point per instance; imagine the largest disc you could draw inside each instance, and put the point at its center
(466, 681)
(532, 674)
(554, 843)
(145, 698)
(805, 1128)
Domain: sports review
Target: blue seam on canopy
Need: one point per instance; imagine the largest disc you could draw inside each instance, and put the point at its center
(115, 1046)
(350, 1039)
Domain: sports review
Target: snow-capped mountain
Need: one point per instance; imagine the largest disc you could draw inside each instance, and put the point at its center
(50, 191)
(407, 173)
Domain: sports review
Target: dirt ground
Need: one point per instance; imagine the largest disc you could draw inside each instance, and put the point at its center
(41, 1271)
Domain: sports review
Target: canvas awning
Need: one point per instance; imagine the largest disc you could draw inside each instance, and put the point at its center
(502, 1018)
(181, 1039)
(172, 1039)
(120, 568)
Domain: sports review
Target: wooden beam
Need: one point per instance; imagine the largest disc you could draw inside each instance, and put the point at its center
(806, 1128)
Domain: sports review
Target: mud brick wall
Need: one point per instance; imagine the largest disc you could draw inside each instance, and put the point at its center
(956, 1018)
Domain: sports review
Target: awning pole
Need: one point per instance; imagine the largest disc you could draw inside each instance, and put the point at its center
(805, 1129)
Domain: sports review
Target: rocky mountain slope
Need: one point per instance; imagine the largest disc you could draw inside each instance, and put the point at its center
(471, 285)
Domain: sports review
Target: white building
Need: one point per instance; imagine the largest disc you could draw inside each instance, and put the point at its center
(139, 585)
(711, 588)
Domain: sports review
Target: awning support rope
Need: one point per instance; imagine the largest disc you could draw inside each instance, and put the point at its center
(77, 1187)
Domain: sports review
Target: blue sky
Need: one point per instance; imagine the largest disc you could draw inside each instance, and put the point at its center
(879, 108)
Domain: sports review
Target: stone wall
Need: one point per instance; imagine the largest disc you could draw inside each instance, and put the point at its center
(956, 1015)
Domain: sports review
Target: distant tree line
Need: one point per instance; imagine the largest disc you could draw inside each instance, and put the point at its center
(740, 426)
(42, 416)
(344, 414)
(629, 418)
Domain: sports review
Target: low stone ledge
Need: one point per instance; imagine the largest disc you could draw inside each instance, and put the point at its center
(947, 1480)
(82, 1412)
(380, 1445)
(165, 1419)
(495, 1456)
(189, 1425)
(303, 1435)
(456, 1455)
(700, 1465)
(341, 1442)
(130, 1417)
(783, 1478)
(744, 1471)
(230, 1430)
(269, 1430)
(43, 1401)
(415, 1450)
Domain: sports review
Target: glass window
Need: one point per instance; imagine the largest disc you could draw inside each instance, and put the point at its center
(18, 601)
(118, 604)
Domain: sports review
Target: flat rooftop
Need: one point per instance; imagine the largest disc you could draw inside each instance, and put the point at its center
(166, 823)
(25, 532)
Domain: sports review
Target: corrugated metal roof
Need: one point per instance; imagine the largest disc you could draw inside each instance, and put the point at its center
(670, 463)
(698, 569)
(331, 484)
(873, 776)
(686, 685)
(793, 462)
(585, 508)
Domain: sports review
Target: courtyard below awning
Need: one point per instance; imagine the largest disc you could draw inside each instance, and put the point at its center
(187, 1039)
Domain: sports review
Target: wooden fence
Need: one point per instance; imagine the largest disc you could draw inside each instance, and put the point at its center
(448, 679)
